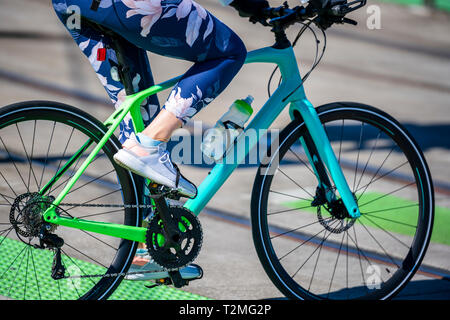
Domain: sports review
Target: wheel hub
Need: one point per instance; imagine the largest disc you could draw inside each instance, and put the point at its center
(340, 220)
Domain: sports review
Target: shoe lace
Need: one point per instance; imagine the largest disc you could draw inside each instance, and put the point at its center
(165, 158)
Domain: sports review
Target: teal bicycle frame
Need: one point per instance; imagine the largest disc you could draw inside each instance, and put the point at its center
(286, 61)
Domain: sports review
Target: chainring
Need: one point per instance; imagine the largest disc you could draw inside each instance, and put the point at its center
(185, 249)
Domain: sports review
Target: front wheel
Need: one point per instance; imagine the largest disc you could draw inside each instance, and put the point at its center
(313, 251)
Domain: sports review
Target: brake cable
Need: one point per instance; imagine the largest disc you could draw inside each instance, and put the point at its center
(316, 61)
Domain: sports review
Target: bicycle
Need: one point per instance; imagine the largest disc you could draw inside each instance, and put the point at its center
(371, 242)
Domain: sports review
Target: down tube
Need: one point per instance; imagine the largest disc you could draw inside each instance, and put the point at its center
(244, 144)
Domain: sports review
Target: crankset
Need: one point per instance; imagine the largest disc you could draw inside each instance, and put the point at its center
(175, 240)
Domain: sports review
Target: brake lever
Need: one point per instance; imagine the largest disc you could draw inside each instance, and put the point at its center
(343, 9)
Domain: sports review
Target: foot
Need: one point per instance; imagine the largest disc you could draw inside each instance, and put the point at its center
(143, 262)
(154, 163)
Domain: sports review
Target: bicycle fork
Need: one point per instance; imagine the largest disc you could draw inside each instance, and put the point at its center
(321, 156)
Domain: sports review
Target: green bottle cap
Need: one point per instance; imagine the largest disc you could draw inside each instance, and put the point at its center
(244, 105)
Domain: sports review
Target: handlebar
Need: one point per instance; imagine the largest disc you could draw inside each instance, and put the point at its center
(343, 9)
(283, 16)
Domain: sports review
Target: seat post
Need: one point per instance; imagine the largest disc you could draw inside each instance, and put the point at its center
(117, 43)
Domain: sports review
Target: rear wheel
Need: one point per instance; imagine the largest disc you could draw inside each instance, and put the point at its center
(315, 251)
(37, 139)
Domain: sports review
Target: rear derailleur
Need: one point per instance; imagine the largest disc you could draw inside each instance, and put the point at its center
(53, 242)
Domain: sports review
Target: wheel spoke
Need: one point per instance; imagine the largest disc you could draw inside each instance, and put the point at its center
(93, 180)
(325, 237)
(288, 210)
(384, 175)
(303, 162)
(387, 232)
(386, 194)
(14, 164)
(63, 155)
(295, 183)
(85, 255)
(335, 265)
(48, 151)
(303, 242)
(375, 174)
(368, 160)
(296, 229)
(289, 195)
(28, 158)
(357, 157)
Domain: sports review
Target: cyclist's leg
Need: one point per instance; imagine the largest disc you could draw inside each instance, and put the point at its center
(90, 40)
(179, 29)
(183, 30)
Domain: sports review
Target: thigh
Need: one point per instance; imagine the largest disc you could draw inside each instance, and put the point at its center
(180, 29)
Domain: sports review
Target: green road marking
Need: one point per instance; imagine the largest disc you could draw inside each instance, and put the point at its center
(402, 220)
(440, 4)
(33, 266)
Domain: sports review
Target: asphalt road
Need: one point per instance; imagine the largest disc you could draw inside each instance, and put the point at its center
(402, 68)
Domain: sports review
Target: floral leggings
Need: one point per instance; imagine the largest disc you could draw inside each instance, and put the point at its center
(180, 29)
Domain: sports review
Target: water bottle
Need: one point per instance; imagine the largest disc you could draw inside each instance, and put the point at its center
(227, 128)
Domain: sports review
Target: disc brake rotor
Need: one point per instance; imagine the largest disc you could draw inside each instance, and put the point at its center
(334, 224)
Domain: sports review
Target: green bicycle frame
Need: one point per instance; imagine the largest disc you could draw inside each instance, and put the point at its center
(287, 63)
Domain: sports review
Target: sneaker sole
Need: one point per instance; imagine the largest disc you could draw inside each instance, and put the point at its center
(161, 275)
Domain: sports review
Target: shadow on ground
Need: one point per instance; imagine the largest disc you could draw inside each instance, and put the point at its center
(430, 289)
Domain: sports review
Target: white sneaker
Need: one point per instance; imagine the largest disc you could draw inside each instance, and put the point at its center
(156, 166)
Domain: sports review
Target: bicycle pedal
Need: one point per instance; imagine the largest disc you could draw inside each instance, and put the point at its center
(167, 192)
(160, 282)
(178, 279)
